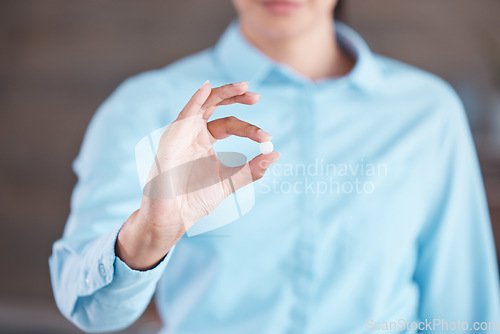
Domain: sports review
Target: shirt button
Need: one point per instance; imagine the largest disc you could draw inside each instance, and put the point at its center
(102, 270)
(87, 280)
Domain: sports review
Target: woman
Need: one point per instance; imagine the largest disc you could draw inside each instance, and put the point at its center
(374, 215)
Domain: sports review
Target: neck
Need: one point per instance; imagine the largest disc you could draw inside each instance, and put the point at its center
(315, 53)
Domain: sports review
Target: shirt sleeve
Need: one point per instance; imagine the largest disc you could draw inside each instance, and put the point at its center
(92, 287)
(457, 272)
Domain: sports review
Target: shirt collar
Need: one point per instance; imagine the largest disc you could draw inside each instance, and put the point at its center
(244, 62)
(239, 58)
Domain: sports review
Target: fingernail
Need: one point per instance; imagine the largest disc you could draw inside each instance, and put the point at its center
(253, 94)
(267, 163)
(277, 157)
(206, 82)
(242, 83)
(264, 135)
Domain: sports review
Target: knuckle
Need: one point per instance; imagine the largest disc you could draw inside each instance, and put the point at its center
(249, 128)
(218, 98)
(258, 175)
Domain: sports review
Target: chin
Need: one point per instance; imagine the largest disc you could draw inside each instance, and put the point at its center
(280, 27)
(279, 19)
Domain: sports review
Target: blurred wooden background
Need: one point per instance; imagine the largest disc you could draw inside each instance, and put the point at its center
(60, 59)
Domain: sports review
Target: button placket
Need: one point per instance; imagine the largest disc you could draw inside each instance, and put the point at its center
(87, 280)
(102, 270)
(305, 250)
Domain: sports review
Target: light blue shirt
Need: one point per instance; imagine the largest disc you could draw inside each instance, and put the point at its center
(375, 213)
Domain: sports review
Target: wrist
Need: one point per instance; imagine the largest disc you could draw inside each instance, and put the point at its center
(141, 245)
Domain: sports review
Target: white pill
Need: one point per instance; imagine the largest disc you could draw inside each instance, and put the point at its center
(266, 147)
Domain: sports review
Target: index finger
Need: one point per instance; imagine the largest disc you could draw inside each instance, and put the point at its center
(228, 94)
(195, 104)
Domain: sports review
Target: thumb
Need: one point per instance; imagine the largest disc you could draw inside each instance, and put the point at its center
(250, 172)
(261, 163)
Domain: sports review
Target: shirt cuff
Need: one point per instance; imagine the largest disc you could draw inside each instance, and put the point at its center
(124, 276)
(103, 268)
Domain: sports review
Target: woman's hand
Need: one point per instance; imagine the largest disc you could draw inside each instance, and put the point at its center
(187, 180)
